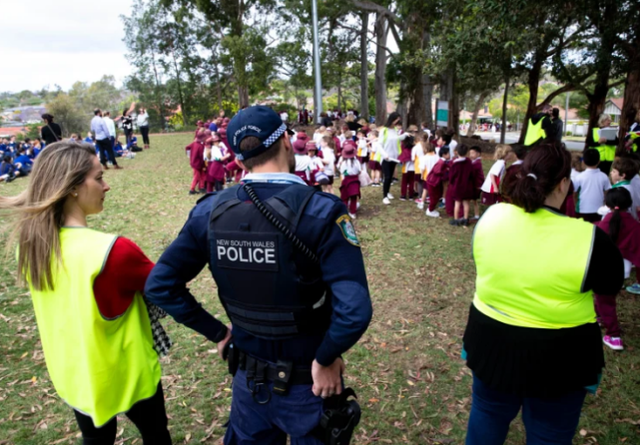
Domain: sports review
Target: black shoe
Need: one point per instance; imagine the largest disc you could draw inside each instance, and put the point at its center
(202, 191)
(10, 179)
(454, 222)
(464, 222)
(193, 192)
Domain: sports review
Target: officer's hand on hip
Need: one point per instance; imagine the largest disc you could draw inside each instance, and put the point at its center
(327, 380)
(222, 343)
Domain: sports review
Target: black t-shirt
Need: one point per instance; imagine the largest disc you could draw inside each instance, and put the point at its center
(50, 136)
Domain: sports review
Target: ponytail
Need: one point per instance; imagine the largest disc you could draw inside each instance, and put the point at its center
(543, 169)
(618, 200)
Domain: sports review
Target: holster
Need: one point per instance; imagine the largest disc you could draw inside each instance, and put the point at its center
(339, 420)
(232, 355)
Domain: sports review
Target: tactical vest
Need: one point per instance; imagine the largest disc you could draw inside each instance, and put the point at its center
(535, 132)
(267, 286)
(531, 268)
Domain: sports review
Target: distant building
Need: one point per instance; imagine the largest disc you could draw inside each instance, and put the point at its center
(613, 107)
(25, 115)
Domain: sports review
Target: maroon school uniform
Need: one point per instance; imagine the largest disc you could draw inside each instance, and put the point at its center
(479, 176)
(435, 182)
(196, 155)
(461, 183)
(350, 187)
(629, 244)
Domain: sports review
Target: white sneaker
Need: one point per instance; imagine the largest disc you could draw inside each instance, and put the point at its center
(389, 195)
(421, 205)
(434, 214)
(386, 201)
(352, 216)
(358, 205)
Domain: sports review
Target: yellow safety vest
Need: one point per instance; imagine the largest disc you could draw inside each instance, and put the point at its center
(534, 132)
(531, 268)
(607, 152)
(99, 367)
(385, 134)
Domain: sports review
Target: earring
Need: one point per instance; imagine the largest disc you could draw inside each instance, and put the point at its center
(75, 195)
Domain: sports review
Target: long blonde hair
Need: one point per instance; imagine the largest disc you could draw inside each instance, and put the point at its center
(59, 168)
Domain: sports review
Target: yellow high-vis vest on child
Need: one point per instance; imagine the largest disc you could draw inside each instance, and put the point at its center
(99, 367)
(607, 152)
(531, 268)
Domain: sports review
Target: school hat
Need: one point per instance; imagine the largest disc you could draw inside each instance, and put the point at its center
(311, 145)
(199, 123)
(208, 142)
(257, 121)
(215, 137)
(300, 147)
(349, 152)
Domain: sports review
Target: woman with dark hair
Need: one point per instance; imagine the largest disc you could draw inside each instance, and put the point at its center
(127, 122)
(390, 140)
(532, 340)
(50, 132)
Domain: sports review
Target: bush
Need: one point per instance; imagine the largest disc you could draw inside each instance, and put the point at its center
(569, 133)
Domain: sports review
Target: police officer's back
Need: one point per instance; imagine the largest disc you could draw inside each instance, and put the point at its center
(290, 274)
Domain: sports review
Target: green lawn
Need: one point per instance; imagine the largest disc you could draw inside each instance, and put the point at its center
(412, 385)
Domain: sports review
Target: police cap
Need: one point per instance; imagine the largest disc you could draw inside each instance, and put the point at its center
(258, 121)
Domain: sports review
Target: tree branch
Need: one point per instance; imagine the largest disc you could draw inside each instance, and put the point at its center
(370, 40)
(556, 93)
(378, 9)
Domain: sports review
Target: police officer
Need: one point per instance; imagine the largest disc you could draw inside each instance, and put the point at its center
(540, 127)
(291, 277)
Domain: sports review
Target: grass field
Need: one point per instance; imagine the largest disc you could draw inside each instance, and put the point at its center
(412, 384)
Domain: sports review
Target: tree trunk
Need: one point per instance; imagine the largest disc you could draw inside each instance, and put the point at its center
(364, 68)
(427, 87)
(417, 110)
(476, 109)
(217, 76)
(505, 101)
(532, 82)
(381, 30)
(454, 105)
(631, 99)
(180, 96)
(158, 93)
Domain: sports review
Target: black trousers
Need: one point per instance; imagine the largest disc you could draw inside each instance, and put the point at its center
(106, 151)
(145, 134)
(128, 134)
(149, 416)
(388, 169)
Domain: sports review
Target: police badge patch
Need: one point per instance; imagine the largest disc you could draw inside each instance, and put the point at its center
(347, 229)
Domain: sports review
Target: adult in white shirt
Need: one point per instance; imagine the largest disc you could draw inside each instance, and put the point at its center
(143, 124)
(390, 139)
(111, 126)
(101, 132)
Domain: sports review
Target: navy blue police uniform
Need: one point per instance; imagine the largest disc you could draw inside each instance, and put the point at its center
(290, 300)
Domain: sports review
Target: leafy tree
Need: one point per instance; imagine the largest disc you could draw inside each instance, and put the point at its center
(68, 114)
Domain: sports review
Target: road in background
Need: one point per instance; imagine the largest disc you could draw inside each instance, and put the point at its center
(513, 137)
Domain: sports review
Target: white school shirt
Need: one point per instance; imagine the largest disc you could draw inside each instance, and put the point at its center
(362, 147)
(590, 186)
(427, 162)
(216, 153)
(452, 146)
(416, 156)
(303, 163)
(349, 167)
(316, 164)
(497, 169)
(317, 137)
(574, 174)
(376, 149)
(329, 156)
(635, 196)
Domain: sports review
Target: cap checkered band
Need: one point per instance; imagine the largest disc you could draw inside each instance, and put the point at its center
(275, 136)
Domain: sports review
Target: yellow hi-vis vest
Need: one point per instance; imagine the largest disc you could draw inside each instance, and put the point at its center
(384, 133)
(531, 268)
(534, 132)
(607, 152)
(99, 367)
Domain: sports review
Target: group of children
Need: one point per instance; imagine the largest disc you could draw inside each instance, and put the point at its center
(16, 158)
(119, 151)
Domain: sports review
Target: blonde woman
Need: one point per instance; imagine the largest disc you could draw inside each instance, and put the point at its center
(606, 148)
(86, 291)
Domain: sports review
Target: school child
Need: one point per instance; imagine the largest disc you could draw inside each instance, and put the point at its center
(318, 177)
(327, 145)
(89, 138)
(350, 168)
(303, 162)
(436, 179)
(408, 168)
(7, 170)
(195, 152)
(475, 154)
(516, 157)
(623, 170)
(417, 153)
(319, 134)
(363, 148)
(132, 145)
(36, 148)
(23, 163)
(590, 187)
(576, 168)
(214, 159)
(625, 233)
(462, 186)
(375, 158)
(426, 165)
(491, 186)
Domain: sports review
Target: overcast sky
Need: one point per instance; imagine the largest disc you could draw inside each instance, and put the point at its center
(44, 42)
